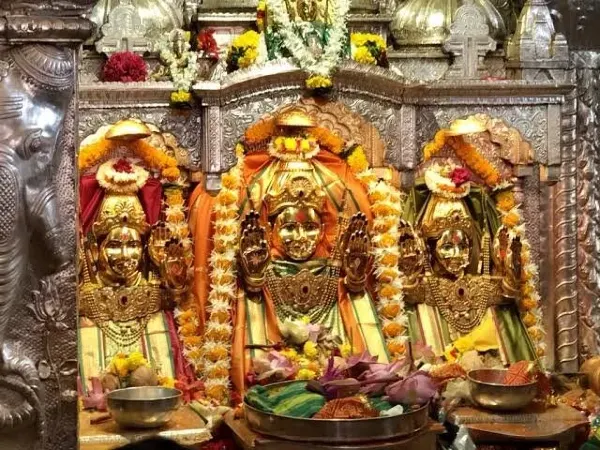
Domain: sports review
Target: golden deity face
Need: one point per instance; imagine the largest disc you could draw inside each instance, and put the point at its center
(298, 230)
(453, 251)
(121, 252)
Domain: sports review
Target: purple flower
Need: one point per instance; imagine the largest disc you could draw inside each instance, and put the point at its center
(347, 387)
(375, 379)
(274, 366)
(314, 332)
(357, 364)
(333, 371)
(417, 388)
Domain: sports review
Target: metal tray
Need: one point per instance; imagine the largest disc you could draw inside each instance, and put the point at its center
(335, 431)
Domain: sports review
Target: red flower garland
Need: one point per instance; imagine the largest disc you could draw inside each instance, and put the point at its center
(124, 67)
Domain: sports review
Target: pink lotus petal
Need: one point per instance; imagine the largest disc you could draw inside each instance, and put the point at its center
(418, 388)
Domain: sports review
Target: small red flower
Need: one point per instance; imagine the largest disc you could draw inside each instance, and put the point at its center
(123, 166)
(207, 43)
(124, 67)
(460, 176)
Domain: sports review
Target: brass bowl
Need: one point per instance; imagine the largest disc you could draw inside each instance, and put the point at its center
(143, 407)
(488, 391)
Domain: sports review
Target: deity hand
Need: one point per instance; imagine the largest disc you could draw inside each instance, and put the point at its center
(174, 267)
(159, 236)
(356, 253)
(254, 252)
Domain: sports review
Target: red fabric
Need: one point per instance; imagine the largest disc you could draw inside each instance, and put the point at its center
(90, 199)
(151, 197)
(183, 369)
(91, 196)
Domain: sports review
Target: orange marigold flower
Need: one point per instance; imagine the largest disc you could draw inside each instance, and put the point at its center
(510, 220)
(381, 209)
(505, 201)
(186, 315)
(396, 349)
(262, 131)
(529, 320)
(217, 393)
(216, 353)
(391, 310)
(219, 316)
(187, 329)
(390, 260)
(219, 335)
(227, 197)
(190, 341)
(392, 330)
(388, 291)
(528, 304)
(387, 240)
(218, 372)
(228, 180)
(171, 173)
(358, 160)
(535, 333)
(540, 352)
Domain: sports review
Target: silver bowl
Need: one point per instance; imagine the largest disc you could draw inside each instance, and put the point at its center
(143, 407)
(488, 391)
(335, 431)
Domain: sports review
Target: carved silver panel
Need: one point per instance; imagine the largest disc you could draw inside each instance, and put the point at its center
(38, 339)
(531, 121)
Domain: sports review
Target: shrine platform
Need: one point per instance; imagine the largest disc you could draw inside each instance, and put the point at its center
(185, 428)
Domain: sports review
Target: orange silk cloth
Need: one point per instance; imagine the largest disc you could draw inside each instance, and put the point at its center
(259, 175)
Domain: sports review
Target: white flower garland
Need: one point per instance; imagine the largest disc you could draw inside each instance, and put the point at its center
(183, 77)
(121, 182)
(328, 61)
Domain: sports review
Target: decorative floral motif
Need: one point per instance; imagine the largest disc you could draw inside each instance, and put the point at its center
(369, 48)
(319, 84)
(243, 51)
(182, 69)
(120, 176)
(288, 148)
(124, 67)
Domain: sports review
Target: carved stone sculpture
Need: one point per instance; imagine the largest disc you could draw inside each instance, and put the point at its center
(36, 88)
(124, 31)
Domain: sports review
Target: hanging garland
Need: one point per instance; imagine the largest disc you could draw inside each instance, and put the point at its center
(223, 285)
(317, 66)
(385, 206)
(529, 306)
(182, 69)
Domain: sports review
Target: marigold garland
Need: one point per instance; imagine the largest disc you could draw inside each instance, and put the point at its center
(385, 206)
(243, 51)
(369, 48)
(91, 154)
(217, 346)
(529, 305)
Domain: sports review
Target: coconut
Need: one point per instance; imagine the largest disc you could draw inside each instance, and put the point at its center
(143, 376)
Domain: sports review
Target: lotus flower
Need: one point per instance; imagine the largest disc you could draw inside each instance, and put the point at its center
(334, 371)
(273, 366)
(357, 364)
(417, 388)
(347, 387)
(424, 353)
(95, 398)
(378, 376)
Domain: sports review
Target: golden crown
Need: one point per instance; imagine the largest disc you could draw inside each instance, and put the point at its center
(119, 210)
(443, 214)
(300, 192)
(295, 118)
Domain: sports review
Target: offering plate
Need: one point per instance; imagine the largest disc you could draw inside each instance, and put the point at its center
(335, 431)
(143, 407)
(489, 391)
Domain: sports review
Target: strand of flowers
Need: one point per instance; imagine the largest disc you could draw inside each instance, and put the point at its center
(223, 289)
(529, 305)
(91, 154)
(183, 75)
(327, 62)
(187, 318)
(386, 208)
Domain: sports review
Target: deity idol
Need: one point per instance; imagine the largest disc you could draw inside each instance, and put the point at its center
(133, 268)
(304, 247)
(462, 269)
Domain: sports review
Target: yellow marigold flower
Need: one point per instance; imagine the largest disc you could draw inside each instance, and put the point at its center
(362, 55)
(167, 382)
(306, 374)
(216, 353)
(290, 144)
(174, 197)
(220, 316)
(318, 82)
(218, 334)
(248, 59)
(305, 319)
(540, 352)
(505, 201)
(180, 97)
(529, 320)
(510, 220)
(535, 333)
(392, 330)
(227, 197)
(290, 354)
(390, 311)
(304, 145)
(387, 240)
(120, 366)
(218, 372)
(310, 349)
(345, 350)
(187, 329)
(389, 260)
(217, 392)
(135, 360)
(358, 160)
(228, 180)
